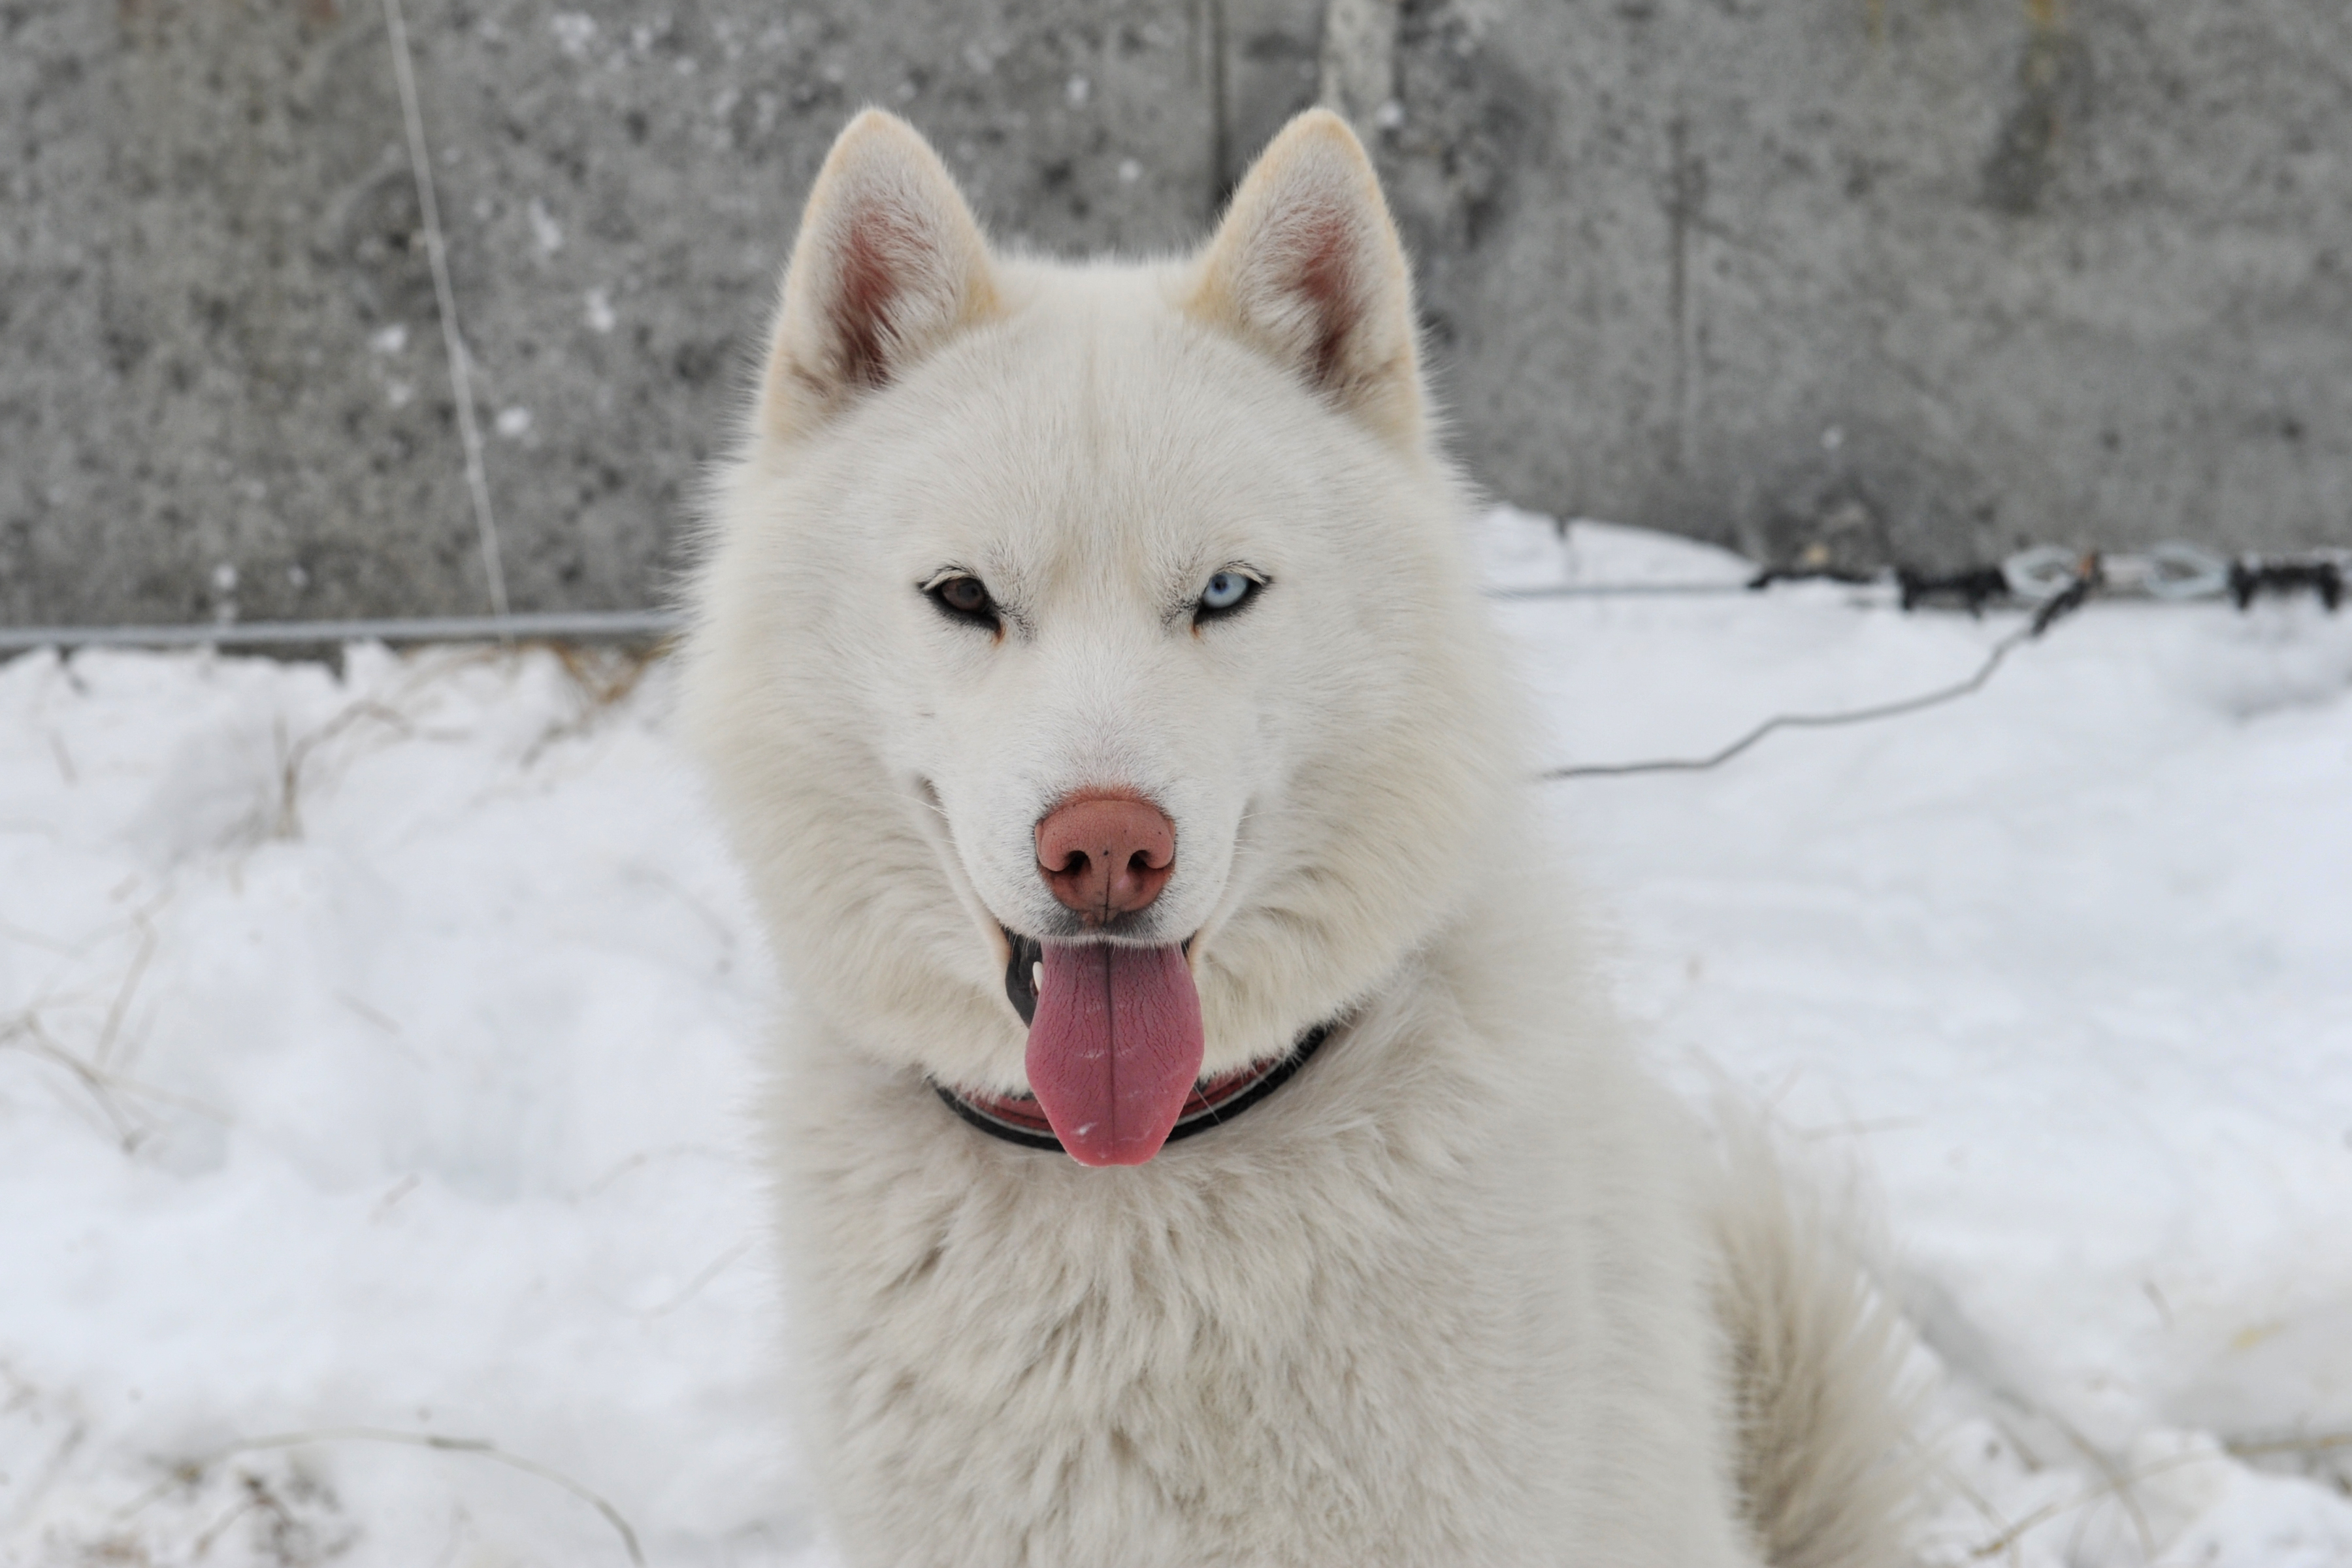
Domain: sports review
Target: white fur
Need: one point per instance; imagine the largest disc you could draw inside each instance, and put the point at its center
(1449, 1297)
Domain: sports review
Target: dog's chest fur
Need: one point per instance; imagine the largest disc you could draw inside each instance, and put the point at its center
(1362, 1325)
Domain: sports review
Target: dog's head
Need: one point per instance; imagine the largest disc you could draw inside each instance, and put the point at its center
(1095, 641)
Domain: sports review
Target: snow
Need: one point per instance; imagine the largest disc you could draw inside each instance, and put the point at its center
(374, 1052)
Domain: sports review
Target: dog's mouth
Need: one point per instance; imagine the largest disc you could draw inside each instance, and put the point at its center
(1020, 974)
(1115, 1041)
(1025, 955)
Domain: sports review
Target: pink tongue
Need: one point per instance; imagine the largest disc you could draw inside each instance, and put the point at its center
(1114, 1048)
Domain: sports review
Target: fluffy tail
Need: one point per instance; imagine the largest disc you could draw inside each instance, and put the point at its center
(1827, 1469)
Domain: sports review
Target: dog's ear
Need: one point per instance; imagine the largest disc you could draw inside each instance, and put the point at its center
(889, 264)
(1307, 267)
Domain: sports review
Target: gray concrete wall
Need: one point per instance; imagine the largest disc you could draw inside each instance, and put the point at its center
(1875, 279)
(1918, 278)
(222, 347)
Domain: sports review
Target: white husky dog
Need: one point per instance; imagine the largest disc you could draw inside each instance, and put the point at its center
(1201, 1140)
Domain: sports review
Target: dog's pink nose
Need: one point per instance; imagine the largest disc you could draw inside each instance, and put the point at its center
(1106, 855)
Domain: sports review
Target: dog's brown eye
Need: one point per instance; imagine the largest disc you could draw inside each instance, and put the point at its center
(964, 599)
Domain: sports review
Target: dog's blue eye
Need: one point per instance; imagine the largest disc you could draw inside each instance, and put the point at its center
(1226, 591)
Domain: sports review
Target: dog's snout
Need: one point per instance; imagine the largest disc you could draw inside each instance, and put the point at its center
(1106, 855)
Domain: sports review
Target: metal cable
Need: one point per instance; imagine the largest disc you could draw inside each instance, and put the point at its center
(2066, 601)
(2167, 573)
(589, 625)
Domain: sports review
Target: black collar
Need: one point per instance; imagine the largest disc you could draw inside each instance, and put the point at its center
(1018, 1118)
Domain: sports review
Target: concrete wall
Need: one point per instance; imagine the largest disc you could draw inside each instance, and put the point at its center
(1878, 279)
(1918, 278)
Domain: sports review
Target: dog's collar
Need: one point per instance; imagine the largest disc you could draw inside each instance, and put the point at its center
(1017, 1118)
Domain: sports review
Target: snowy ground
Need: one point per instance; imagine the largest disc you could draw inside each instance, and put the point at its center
(373, 1053)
